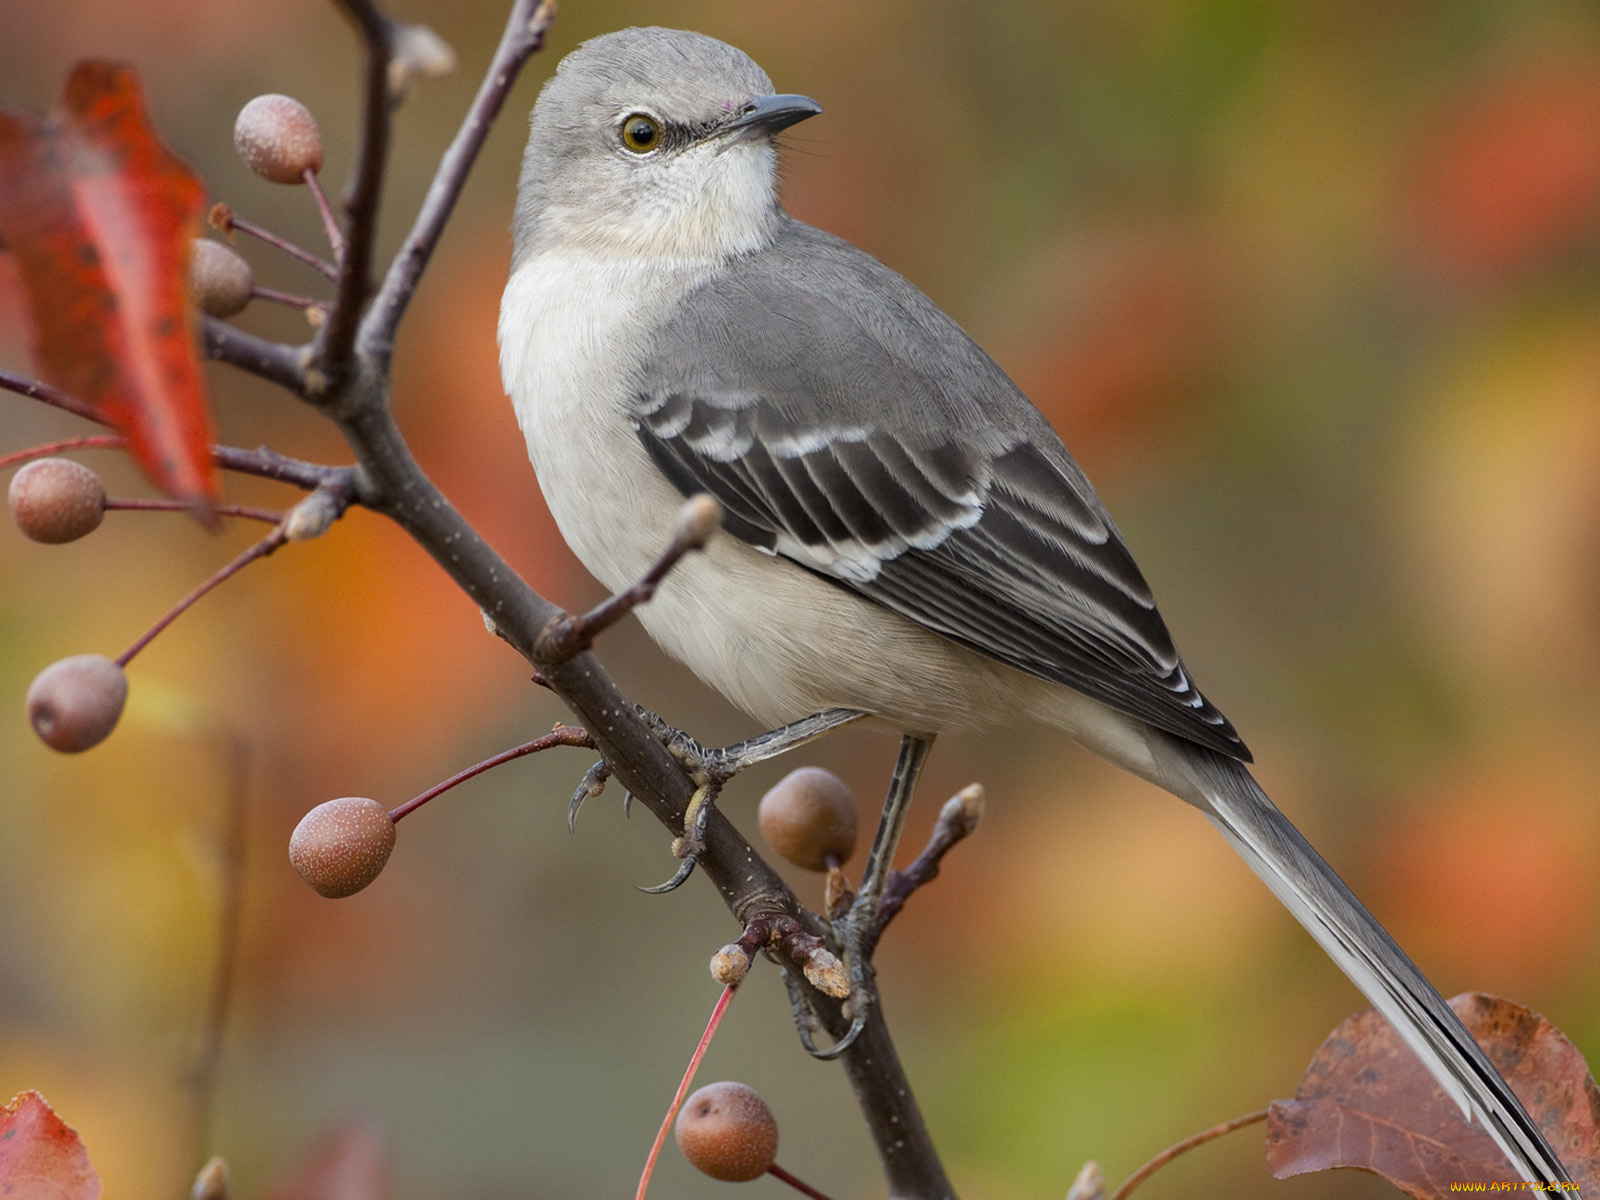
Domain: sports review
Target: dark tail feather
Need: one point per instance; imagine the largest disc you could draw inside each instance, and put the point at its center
(1321, 902)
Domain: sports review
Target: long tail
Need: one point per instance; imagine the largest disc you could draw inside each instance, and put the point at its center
(1352, 937)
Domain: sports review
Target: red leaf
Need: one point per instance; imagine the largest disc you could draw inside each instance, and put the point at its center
(40, 1157)
(101, 218)
(1366, 1102)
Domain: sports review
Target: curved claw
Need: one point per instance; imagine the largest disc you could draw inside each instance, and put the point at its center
(685, 869)
(592, 784)
(805, 1021)
(839, 1047)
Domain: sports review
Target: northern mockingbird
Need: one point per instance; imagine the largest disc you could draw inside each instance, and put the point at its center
(904, 534)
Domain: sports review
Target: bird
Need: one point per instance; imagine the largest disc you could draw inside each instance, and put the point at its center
(904, 535)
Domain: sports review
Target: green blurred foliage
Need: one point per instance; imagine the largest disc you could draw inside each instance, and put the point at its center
(1311, 290)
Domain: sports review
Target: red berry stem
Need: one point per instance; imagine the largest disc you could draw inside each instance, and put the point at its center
(224, 218)
(151, 504)
(1183, 1147)
(330, 223)
(561, 735)
(798, 1185)
(260, 550)
(98, 441)
(683, 1087)
(289, 298)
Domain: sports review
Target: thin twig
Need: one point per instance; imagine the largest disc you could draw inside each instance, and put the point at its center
(958, 819)
(330, 222)
(336, 340)
(347, 484)
(267, 464)
(1183, 1147)
(798, 1185)
(224, 218)
(293, 300)
(94, 441)
(273, 361)
(717, 1013)
(153, 504)
(260, 550)
(698, 518)
(38, 389)
(561, 735)
(524, 34)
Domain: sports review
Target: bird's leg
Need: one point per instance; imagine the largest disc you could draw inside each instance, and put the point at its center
(856, 928)
(720, 764)
(710, 769)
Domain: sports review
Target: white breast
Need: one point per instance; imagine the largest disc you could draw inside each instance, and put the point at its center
(571, 325)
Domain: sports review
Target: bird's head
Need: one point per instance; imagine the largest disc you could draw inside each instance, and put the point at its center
(654, 142)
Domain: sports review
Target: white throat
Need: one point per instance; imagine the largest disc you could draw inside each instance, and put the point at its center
(705, 206)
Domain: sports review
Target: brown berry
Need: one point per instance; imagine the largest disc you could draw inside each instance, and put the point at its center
(808, 817)
(75, 703)
(728, 1132)
(339, 847)
(277, 138)
(56, 500)
(220, 280)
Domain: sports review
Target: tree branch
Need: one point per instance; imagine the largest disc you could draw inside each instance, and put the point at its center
(273, 361)
(38, 389)
(524, 34)
(335, 343)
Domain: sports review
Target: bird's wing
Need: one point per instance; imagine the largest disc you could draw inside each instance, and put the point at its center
(871, 441)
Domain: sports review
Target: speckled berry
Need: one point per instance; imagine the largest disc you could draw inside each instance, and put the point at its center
(221, 281)
(728, 1132)
(277, 138)
(339, 847)
(56, 500)
(809, 817)
(75, 703)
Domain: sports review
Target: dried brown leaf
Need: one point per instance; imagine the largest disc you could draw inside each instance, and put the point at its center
(1367, 1102)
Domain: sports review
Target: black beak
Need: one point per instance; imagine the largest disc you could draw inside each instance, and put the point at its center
(770, 114)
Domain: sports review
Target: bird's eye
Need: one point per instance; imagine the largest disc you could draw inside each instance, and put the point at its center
(641, 133)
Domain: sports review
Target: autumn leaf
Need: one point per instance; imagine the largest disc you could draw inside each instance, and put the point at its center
(41, 1158)
(101, 217)
(1367, 1102)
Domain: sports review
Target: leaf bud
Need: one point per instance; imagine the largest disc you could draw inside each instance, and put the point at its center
(730, 965)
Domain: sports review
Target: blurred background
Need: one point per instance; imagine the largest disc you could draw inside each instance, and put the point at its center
(1310, 289)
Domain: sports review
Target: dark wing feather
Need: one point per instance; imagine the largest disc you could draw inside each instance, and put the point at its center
(960, 509)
